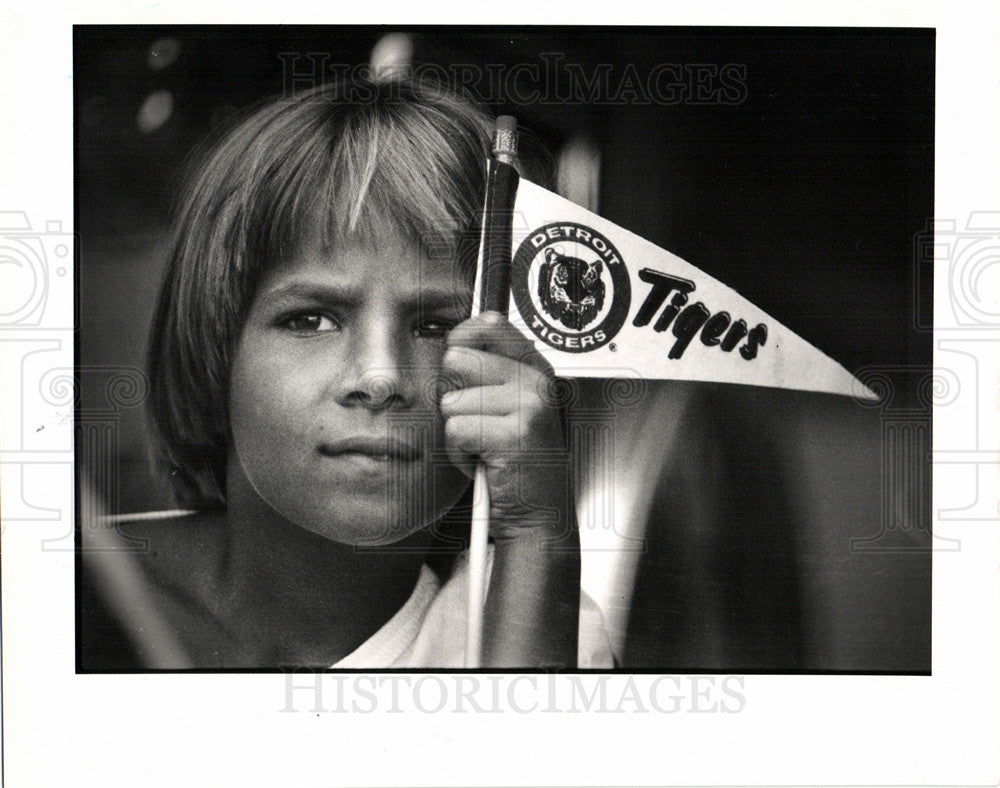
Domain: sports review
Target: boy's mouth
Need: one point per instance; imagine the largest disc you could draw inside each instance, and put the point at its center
(375, 449)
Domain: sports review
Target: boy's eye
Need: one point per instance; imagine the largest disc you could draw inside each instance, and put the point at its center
(433, 328)
(310, 322)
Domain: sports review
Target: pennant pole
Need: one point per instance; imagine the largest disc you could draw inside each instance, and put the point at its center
(493, 285)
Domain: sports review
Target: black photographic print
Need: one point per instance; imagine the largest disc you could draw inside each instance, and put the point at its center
(276, 364)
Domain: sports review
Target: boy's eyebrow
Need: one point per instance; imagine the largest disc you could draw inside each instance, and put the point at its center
(347, 295)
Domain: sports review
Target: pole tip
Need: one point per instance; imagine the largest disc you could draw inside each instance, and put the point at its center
(507, 123)
(505, 139)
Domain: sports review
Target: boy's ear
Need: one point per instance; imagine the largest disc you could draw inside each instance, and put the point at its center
(549, 254)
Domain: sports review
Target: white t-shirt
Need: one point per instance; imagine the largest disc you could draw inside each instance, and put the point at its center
(429, 630)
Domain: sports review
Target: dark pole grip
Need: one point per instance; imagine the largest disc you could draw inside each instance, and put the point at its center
(498, 221)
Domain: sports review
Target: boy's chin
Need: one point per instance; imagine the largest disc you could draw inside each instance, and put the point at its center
(373, 527)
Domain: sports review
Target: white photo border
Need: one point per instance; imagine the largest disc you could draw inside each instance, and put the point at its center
(164, 729)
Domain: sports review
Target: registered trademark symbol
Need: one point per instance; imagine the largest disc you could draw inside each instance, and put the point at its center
(612, 347)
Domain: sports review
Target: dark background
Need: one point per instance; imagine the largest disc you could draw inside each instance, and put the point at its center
(788, 531)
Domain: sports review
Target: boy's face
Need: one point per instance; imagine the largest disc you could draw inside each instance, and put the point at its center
(335, 387)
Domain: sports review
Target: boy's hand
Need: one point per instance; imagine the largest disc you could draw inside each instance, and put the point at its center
(503, 414)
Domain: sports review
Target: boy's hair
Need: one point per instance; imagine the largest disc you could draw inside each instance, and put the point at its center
(359, 156)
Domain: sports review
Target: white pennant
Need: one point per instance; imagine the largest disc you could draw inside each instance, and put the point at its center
(599, 301)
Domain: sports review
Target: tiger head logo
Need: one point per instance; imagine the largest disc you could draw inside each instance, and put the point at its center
(570, 289)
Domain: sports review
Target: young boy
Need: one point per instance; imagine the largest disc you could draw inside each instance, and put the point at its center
(320, 399)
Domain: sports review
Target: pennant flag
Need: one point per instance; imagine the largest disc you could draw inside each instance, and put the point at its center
(599, 301)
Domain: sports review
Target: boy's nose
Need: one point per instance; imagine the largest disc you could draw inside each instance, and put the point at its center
(377, 376)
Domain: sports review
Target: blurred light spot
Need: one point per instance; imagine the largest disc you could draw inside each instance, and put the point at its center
(391, 56)
(155, 111)
(162, 53)
(578, 172)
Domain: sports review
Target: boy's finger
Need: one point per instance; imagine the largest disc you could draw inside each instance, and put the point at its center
(482, 400)
(477, 436)
(465, 441)
(492, 333)
(478, 367)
